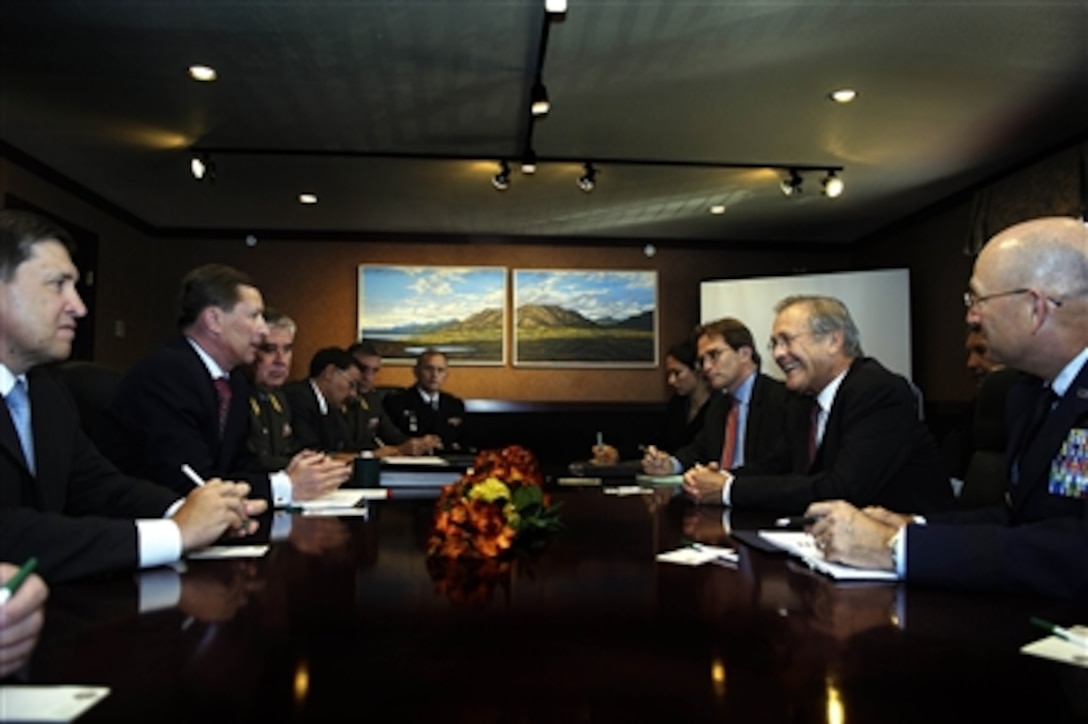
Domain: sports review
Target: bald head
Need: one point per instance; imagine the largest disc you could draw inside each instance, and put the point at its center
(1030, 285)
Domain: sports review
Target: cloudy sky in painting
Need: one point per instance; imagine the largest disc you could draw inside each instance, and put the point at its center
(593, 294)
(395, 296)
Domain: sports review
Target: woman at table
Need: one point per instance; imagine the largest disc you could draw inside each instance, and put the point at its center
(685, 410)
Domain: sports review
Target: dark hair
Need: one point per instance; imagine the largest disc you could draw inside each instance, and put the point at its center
(331, 356)
(684, 353)
(733, 331)
(363, 349)
(211, 285)
(430, 352)
(19, 232)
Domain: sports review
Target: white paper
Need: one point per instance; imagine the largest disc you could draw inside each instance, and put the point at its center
(415, 460)
(659, 479)
(342, 498)
(803, 545)
(217, 552)
(336, 513)
(1058, 649)
(48, 703)
(698, 555)
(628, 490)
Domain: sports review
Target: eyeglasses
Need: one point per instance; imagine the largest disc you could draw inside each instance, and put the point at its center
(355, 384)
(711, 356)
(787, 340)
(971, 300)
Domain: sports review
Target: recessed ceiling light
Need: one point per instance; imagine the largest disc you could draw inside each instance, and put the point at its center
(717, 209)
(202, 73)
(843, 95)
(307, 198)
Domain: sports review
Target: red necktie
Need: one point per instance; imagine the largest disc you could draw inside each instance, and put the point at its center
(223, 392)
(729, 443)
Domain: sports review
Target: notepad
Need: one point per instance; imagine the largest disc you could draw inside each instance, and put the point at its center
(659, 479)
(342, 498)
(698, 555)
(803, 545)
(217, 552)
(1058, 649)
(48, 703)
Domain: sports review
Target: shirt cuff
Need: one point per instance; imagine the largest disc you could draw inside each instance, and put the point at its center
(281, 489)
(899, 552)
(727, 488)
(677, 468)
(159, 542)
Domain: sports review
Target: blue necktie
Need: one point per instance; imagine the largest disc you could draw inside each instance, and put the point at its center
(19, 405)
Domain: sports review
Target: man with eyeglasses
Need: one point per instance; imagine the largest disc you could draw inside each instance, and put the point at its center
(371, 426)
(185, 404)
(317, 403)
(1029, 294)
(853, 432)
(743, 425)
(271, 437)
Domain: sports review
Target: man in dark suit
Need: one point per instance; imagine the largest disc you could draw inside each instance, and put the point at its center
(271, 437)
(743, 425)
(60, 500)
(317, 403)
(424, 409)
(370, 424)
(1028, 294)
(853, 431)
(186, 403)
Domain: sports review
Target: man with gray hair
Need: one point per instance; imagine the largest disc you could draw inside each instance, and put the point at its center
(1029, 294)
(853, 431)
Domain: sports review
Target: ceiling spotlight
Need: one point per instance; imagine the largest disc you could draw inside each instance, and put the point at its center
(792, 186)
(307, 198)
(501, 180)
(717, 209)
(202, 167)
(555, 6)
(539, 99)
(202, 73)
(833, 185)
(588, 180)
(528, 162)
(843, 95)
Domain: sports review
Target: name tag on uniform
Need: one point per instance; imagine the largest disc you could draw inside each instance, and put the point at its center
(1069, 470)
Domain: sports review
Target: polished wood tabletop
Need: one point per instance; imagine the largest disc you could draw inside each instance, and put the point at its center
(346, 619)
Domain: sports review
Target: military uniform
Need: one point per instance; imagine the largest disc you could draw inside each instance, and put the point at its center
(270, 436)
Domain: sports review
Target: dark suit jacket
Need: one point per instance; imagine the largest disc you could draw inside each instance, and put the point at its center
(313, 430)
(414, 417)
(166, 413)
(875, 451)
(369, 422)
(271, 437)
(77, 514)
(1038, 541)
(764, 444)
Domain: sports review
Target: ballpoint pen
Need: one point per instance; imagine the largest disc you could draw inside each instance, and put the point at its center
(9, 589)
(191, 474)
(796, 521)
(1061, 632)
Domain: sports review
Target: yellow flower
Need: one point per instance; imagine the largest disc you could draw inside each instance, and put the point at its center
(489, 491)
(510, 512)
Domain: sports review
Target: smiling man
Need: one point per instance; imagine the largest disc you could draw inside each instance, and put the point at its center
(853, 431)
(186, 402)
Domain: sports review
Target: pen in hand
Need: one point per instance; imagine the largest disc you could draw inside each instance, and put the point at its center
(796, 521)
(191, 474)
(10, 588)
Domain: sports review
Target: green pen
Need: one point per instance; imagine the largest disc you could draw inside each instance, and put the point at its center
(1060, 632)
(8, 589)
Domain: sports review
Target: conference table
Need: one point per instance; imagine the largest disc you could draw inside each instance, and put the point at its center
(347, 619)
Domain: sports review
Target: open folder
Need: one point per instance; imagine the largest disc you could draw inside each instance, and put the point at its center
(804, 547)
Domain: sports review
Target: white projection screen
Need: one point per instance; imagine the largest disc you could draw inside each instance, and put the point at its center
(879, 302)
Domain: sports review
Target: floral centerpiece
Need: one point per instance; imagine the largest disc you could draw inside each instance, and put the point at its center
(498, 503)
